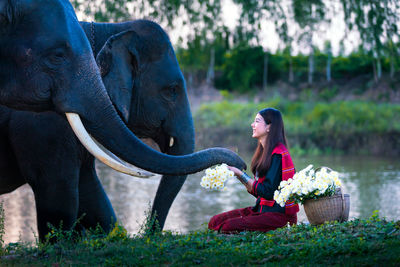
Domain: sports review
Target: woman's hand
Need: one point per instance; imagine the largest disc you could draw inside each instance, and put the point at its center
(235, 170)
(238, 173)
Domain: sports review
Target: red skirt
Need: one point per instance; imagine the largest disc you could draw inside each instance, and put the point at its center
(248, 220)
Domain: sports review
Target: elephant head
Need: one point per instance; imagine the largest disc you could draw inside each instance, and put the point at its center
(152, 107)
(46, 63)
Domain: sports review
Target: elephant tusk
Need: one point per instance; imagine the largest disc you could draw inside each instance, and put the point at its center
(105, 156)
(171, 141)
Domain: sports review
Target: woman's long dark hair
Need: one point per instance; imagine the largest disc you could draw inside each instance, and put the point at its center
(261, 160)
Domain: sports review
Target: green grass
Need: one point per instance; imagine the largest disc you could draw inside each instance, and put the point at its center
(342, 117)
(369, 242)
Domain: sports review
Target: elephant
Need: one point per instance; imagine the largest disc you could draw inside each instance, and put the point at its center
(49, 77)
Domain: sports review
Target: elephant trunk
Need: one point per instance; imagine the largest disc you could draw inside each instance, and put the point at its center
(103, 123)
(119, 139)
(182, 130)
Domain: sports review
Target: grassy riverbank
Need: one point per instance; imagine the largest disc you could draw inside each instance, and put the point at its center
(359, 242)
(354, 127)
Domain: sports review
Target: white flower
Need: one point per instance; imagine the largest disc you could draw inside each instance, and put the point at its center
(306, 184)
(337, 182)
(205, 184)
(283, 183)
(309, 167)
(215, 178)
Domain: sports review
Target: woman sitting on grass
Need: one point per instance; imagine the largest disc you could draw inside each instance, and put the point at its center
(270, 165)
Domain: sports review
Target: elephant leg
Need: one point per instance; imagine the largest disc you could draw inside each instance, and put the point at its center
(49, 159)
(10, 176)
(94, 206)
(56, 202)
(167, 191)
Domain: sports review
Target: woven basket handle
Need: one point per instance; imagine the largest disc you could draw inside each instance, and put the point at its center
(341, 194)
(343, 206)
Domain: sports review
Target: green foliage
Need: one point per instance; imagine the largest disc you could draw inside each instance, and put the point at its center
(373, 241)
(374, 20)
(198, 14)
(150, 225)
(350, 118)
(96, 239)
(355, 64)
(228, 114)
(104, 11)
(226, 95)
(335, 126)
(243, 68)
(328, 93)
(195, 56)
(336, 117)
(238, 55)
(59, 234)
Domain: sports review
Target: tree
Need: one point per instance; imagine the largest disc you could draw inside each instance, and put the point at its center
(253, 12)
(392, 54)
(328, 51)
(198, 15)
(375, 21)
(282, 28)
(308, 14)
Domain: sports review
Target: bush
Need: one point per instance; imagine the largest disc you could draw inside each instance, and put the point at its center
(337, 126)
(243, 68)
(240, 68)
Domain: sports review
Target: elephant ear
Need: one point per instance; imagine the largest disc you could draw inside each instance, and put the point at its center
(118, 61)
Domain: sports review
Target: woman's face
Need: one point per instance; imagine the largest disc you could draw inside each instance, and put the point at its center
(260, 128)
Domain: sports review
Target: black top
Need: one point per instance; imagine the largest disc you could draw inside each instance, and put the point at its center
(266, 188)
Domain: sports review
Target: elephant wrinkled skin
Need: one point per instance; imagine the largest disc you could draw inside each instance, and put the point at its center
(46, 63)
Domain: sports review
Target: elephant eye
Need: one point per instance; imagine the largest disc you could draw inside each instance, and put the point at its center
(171, 92)
(57, 57)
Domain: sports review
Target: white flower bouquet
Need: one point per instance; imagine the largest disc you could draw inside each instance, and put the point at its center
(308, 184)
(215, 178)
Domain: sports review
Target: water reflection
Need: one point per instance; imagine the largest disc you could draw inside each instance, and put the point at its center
(20, 215)
(373, 184)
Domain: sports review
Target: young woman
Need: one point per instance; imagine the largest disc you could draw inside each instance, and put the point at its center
(270, 165)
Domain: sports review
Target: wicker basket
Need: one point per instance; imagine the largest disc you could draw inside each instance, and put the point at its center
(333, 208)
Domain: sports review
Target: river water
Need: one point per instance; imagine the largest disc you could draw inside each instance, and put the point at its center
(373, 184)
